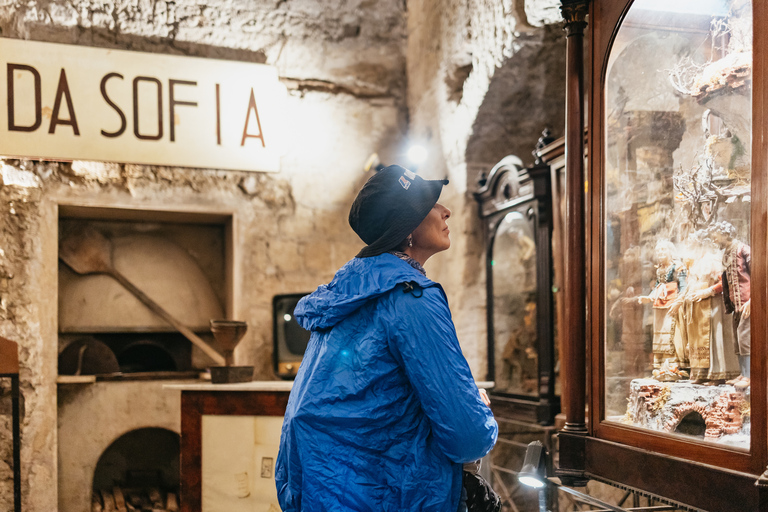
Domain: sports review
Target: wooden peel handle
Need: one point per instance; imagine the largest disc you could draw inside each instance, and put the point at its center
(165, 315)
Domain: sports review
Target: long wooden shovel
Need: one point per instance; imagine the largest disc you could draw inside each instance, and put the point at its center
(87, 251)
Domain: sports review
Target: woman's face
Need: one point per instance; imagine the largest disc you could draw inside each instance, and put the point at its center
(433, 235)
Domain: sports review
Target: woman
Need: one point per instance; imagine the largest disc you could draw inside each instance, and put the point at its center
(705, 324)
(670, 283)
(384, 409)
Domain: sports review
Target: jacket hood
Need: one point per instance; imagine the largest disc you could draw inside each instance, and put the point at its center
(357, 282)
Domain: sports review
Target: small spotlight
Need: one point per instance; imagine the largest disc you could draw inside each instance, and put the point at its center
(534, 472)
(287, 317)
(417, 154)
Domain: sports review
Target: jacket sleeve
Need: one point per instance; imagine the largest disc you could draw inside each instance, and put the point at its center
(423, 339)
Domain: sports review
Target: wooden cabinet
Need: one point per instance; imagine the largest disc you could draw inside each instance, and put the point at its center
(229, 441)
(672, 232)
(516, 208)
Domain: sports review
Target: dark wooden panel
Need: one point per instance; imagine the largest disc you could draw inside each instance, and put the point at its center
(533, 411)
(698, 485)
(678, 446)
(571, 458)
(240, 403)
(191, 449)
(9, 357)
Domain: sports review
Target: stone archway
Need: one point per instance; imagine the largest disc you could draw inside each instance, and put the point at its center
(721, 416)
(141, 467)
(526, 94)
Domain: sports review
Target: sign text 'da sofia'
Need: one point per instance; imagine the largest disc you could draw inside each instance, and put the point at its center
(77, 103)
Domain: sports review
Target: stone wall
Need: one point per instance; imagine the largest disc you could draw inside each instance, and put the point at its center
(343, 63)
(485, 78)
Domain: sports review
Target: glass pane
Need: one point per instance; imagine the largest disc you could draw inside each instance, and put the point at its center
(677, 212)
(514, 305)
(238, 462)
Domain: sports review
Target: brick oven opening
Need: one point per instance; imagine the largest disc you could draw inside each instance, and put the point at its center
(182, 261)
(114, 355)
(148, 355)
(139, 471)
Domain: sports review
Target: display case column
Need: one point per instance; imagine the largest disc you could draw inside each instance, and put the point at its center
(573, 435)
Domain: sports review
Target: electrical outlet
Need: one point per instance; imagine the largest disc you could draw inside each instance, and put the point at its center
(266, 467)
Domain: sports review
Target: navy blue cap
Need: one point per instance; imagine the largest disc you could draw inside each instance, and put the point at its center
(391, 204)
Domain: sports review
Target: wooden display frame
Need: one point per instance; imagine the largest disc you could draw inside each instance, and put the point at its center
(532, 198)
(654, 462)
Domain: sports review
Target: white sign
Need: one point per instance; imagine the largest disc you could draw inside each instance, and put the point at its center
(62, 102)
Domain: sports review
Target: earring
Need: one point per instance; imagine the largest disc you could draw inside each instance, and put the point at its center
(410, 240)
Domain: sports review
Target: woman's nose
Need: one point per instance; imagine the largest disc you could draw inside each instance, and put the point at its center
(446, 212)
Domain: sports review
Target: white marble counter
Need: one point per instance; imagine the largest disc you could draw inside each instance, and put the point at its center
(258, 385)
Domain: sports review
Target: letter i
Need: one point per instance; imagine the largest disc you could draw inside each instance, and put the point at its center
(218, 116)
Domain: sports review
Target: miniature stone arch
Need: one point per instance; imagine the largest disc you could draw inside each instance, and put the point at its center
(722, 416)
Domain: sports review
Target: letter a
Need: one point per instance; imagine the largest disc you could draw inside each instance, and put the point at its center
(63, 90)
(252, 106)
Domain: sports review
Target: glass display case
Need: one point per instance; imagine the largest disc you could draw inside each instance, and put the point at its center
(676, 199)
(677, 204)
(515, 205)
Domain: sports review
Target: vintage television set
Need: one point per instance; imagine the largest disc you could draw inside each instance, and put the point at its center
(666, 251)
(289, 338)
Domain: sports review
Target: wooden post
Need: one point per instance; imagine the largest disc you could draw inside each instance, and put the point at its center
(573, 435)
(545, 300)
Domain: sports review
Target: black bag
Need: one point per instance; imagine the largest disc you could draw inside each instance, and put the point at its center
(480, 496)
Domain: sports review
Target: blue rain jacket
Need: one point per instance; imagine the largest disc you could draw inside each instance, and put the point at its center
(384, 409)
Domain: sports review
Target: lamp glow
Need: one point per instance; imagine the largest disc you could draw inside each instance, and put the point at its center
(530, 481)
(417, 154)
